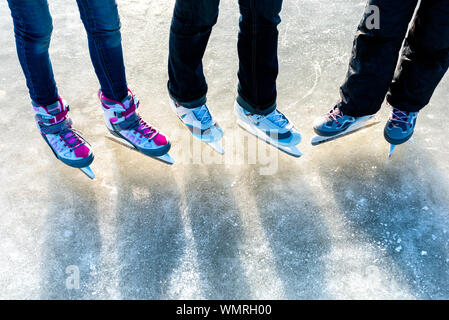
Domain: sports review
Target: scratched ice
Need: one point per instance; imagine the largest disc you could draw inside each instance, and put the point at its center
(343, 221)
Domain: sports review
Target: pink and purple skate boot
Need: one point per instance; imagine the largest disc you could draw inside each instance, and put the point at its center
(65, 142)
(128, 128)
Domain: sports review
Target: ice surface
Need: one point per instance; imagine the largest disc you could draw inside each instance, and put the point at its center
(343, 221)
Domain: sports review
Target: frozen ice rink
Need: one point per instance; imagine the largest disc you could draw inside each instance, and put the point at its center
(343, 221)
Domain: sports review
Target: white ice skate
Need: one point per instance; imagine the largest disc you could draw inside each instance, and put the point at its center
(273, 128)
(130, 130)
(201, 124)
(66, 143)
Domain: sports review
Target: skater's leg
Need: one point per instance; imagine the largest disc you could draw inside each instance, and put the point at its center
(424, 61)
(425, 58)
(255, 107)
(374, 56)
(257, 49)
(102, 23)
(33, 28)
(190, 30)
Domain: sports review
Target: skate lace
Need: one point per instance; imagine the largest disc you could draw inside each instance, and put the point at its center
(143, 128)
(278, 119)
(135, 122)
(70, 137)
(335, 114)
(399, 116)
(202, 114)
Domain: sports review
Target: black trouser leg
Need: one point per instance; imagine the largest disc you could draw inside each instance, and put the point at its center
(189, 34)
(425, 58)
(374, 57)
(257, 49)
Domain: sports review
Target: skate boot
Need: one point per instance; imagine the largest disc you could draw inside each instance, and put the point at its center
(65, 142)
(399, 127)
(273, 128)
(201, 124)
(129, 129)
(335, 124)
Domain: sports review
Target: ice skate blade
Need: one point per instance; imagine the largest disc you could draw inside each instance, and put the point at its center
(166, 158)
(88, 172)
(290, 150)
(359, 125)
(216, 145)
(392, 147)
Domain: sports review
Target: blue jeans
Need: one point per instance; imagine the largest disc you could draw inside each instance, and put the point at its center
(257, 48)
(33, 28)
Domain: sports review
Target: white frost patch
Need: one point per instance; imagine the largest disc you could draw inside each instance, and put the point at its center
(260, 269)
(140, 193)
(351, 274)
(112, 189)
(68, 233)
(424, 253)
(185, 282)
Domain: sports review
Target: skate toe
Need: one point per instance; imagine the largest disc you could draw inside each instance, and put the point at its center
(395, 135)
(160, 140)
(82, 151)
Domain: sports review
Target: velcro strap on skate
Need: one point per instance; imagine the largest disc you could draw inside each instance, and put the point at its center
(51, 120)
(127, 112)
(56, 128)
(127, 123)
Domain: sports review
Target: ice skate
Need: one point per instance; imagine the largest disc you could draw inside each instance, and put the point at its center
(335, 124)
(399, 128)
(201, 124)
(65, 142)
(273, 128)
(129, 129)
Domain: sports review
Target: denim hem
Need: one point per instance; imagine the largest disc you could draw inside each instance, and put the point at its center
(191, 104)
(262, 110)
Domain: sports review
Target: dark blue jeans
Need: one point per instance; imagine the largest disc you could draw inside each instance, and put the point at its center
(423, 62)
(257, 48)
(33, 28)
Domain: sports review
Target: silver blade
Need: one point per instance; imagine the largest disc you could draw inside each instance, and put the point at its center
(216, 145)
(290, 150)
(120, 141)
(166, 158)
(360, 125)
(88, 172)
(392, 147)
